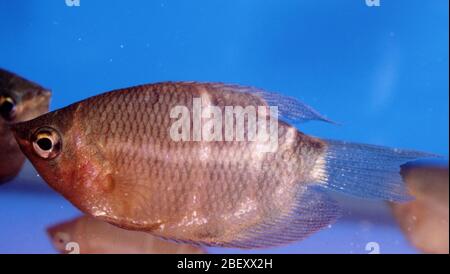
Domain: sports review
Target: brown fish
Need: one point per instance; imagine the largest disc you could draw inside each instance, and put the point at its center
(20, 100)
(86, 235)
(425, 220)
(135, 158)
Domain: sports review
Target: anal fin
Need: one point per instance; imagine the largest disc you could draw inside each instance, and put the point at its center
(313, 211)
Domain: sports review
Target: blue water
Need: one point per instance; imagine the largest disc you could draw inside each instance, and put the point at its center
(381, 72)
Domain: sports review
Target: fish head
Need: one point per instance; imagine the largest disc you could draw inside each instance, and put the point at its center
(20, 99)
(67, 158)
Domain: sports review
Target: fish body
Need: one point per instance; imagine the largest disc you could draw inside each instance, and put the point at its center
(114, 156)
(86, 235)
(425, 220)
(20, 100)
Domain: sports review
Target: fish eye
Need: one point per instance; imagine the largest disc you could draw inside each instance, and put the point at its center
(7, 108)
(47, 143)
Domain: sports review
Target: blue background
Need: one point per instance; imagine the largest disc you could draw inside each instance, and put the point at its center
(382, 72)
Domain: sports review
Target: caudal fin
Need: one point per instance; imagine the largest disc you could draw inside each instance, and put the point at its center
(367, 171)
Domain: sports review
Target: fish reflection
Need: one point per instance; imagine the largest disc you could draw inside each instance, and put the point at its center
(86, 235)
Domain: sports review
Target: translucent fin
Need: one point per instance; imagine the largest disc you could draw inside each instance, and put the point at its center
(367, 171)
(314, 210)
(290, 109)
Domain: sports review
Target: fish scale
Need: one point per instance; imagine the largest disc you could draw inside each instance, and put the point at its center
(209, 169)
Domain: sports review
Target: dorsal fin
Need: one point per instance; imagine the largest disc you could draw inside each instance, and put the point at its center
(293, 110)
(290, 109)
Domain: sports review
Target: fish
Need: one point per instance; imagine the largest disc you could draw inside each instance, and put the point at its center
(87, 235)
(425, 220)
(155, 158)
(20, 100)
